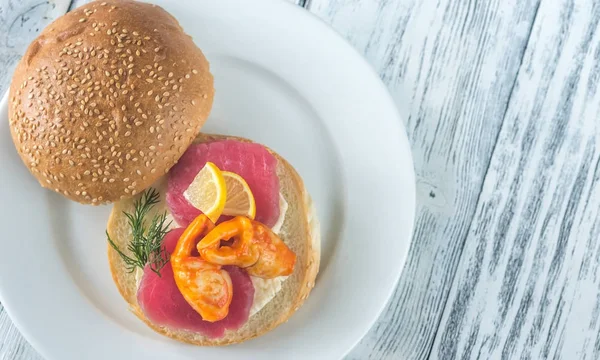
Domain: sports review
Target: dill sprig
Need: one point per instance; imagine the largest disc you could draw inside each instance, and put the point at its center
(147, 242)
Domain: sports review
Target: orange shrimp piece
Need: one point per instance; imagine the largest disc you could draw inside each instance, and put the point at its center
(204, 285)
(255, 247)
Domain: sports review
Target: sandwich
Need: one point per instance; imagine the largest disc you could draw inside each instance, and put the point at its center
(212, 239)
(259, 303)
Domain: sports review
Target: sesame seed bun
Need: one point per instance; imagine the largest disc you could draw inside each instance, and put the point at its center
(107, 99)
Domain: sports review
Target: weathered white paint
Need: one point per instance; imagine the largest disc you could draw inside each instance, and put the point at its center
(528, 284)
(20, 22)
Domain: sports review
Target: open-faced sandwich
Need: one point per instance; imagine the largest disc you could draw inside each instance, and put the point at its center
(237, 269)
(212, 239)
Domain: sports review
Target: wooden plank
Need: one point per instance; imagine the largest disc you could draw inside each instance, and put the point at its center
(451, 65)
(78, 3)
(529, 284)
(20, 22)
(12, 344)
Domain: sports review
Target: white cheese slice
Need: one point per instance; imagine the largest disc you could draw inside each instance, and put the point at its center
(266, 289)
(139, 273)
(283, 206)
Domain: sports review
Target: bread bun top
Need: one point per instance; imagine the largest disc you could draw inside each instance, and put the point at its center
(106, 100)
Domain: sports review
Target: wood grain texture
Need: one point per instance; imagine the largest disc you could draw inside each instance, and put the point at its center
(20, 22)
(12, 343)
(529, 283)
(451, 65)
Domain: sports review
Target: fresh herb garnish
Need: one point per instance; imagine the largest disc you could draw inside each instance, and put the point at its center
(147, 243)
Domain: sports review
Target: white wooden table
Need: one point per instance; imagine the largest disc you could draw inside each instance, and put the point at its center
(501, 104)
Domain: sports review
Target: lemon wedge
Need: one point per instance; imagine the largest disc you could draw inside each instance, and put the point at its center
(208, 192)
(240, 200)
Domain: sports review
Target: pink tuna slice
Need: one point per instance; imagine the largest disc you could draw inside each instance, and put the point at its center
(163, 304)
(251, 161)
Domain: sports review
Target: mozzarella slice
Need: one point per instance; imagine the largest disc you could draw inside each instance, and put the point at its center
(266, 289)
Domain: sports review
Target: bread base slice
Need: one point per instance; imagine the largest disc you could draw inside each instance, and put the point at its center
(300, 232)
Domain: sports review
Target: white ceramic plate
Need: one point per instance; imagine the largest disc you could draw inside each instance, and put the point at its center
(283, 78)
